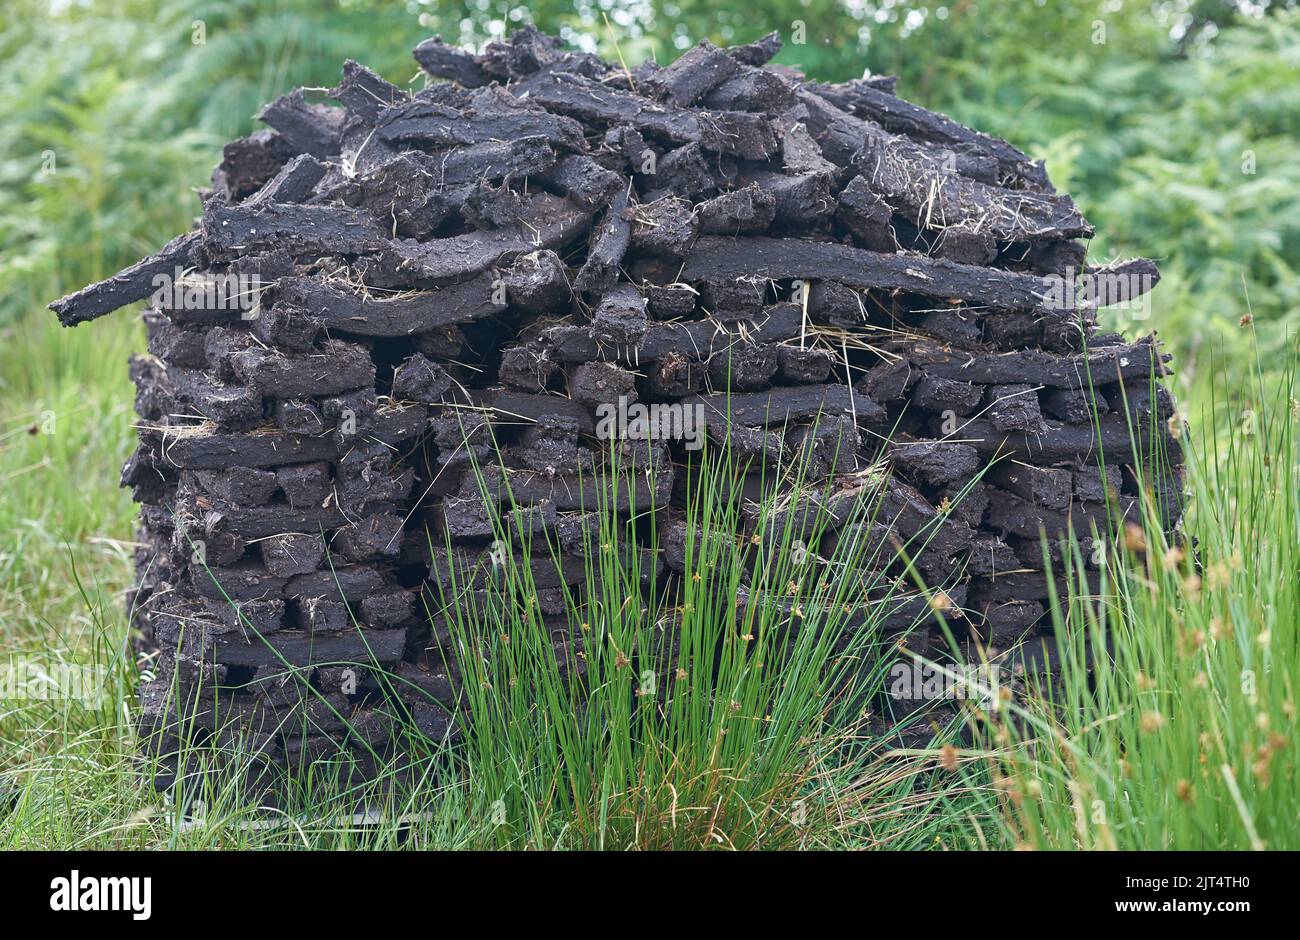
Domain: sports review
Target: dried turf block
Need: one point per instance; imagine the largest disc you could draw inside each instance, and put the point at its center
(312, 129)
(369, 647)
(665, 228)
(537, 283)
(787, 405)
(696, 338)
(546, 221)
(1044, 486)
(370, 538)
(804, 366)
(1013, 407)
(745, 367)
(826, 447)
(244, 486)
(1098, 366)
(266, 448)
(741, 212)
(936, 394)
(335, 367)
(584, 181)
(792, 258)
(935, 463)
(443, 61)
(676, 375)
(596, 383)
(418, 379)
(235, 230)
(751, 89)
(364, 93)
(1097, 484)
(341, 308)
(697, 72)
(609, 243)
(248, 163)
(134, 283)
(670, 303)
(288, 555)
(620, 319)
(437, 126)
(298, 416)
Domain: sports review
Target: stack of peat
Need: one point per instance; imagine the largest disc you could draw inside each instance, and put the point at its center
(383, 294)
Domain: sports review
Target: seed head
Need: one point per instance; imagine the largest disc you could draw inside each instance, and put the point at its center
(1135, 539)
(1173, 558)
(1152, 721)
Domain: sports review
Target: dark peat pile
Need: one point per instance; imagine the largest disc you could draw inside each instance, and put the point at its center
(388, 289)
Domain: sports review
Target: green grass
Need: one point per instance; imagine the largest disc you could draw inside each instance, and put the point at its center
(731, 715)
(1182, 733)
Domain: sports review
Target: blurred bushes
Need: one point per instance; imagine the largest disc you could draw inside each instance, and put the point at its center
(116, 112)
